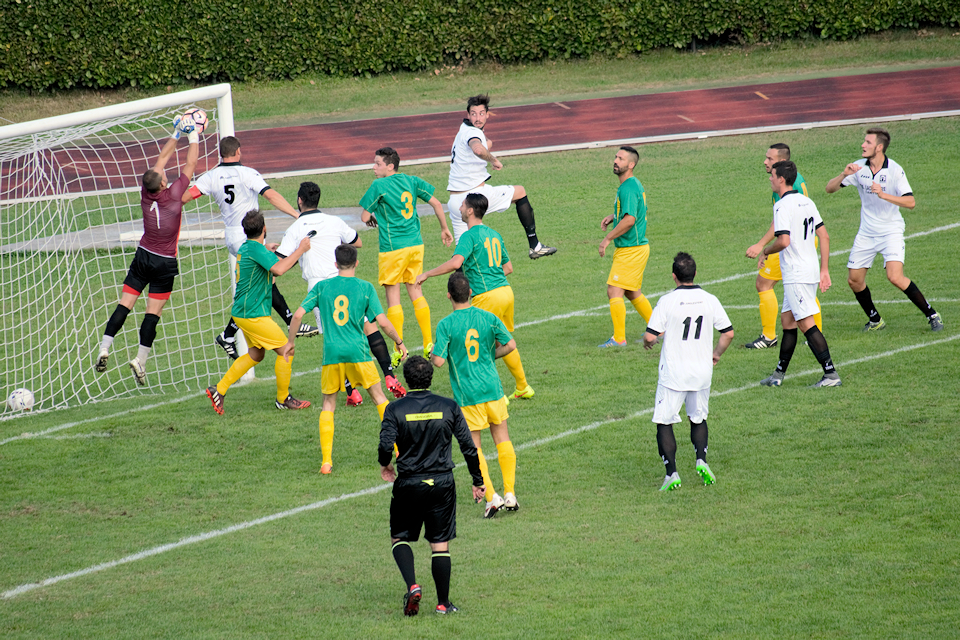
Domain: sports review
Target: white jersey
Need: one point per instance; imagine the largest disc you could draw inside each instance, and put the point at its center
(879, 217)
(235, 188)
(687, 317)
(796, 215)
(467, 169)
(319, 262)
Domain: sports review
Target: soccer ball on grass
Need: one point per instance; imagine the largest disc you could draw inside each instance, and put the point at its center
(20, 400)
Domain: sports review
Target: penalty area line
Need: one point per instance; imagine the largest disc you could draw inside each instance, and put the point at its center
(209, 535)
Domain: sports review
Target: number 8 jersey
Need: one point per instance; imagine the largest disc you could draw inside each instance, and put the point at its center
(343, 302)
(796, 215)
(687, 317)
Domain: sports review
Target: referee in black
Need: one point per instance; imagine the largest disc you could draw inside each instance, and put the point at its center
(424, 494)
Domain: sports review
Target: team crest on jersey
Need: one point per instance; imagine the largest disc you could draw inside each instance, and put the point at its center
(882, 178)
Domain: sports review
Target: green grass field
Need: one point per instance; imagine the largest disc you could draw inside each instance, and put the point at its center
(834, 514)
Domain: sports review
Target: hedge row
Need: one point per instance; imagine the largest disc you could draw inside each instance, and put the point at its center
(110, 43)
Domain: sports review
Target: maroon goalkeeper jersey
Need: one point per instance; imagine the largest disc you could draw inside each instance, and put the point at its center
(161, 218)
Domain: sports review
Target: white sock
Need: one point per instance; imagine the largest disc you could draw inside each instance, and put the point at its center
(142, 354)
(106, 343)
(539, 246)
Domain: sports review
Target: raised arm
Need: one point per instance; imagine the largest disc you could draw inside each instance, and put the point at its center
(834, 185)
(482, 152)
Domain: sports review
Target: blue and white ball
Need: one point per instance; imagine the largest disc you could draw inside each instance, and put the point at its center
(20, 400)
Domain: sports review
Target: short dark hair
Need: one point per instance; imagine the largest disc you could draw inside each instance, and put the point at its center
(229, 147)
(635, 155)
(309, 193)
(253, 223)
(390, 156)
(883, 137)
(458, 287)
(346, 255)
(418, 372)
(684, 267)
(787, 170)
(152, 181)
(478, 202)
(482, 100)
(782, 150)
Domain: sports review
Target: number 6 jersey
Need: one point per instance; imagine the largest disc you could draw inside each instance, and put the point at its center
(687, 317)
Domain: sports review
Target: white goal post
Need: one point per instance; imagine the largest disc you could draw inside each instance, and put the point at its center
(70, 222)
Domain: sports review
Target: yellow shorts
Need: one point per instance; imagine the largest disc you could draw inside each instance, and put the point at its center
(771, 268)
(402, 265)
(360, 374)
(499, 302)
(626, 271)
(262, 332)
(481, 416)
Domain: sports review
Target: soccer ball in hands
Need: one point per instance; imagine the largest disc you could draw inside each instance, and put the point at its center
(20, 400)
(199, 118)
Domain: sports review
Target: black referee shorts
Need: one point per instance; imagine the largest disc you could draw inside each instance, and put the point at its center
(424, 501)
(149, 268)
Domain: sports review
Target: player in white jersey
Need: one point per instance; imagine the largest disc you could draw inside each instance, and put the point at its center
(468, 174)
(318, 264)
(797, 227)
(685, 318)
(236, 190)
(883, 189)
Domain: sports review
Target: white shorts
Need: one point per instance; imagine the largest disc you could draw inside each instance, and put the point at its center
(666, 409)
(499, 199)
(866, 248)
(234, 237)
(800, 299)
(316, 310)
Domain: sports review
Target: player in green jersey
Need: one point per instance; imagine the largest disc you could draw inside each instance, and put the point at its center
(390, 204)
(769, 274)
(485, 262)
(252, 304)
(344, 301)
(471, 339)
(629, 237)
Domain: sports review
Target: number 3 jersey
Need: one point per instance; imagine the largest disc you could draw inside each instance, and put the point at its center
(393, 200)
(796, 215)
(343, 302)
(687, 317)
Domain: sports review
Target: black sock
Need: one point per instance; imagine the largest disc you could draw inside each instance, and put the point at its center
(866, 302)
(116, 321)
(917, 298)
(378, 347)
(818, 344)
(525, 213)
(280, 305)
(231, 331)
(148, 329)
(698, 436)
(441, 575)
(788, 342)
(347, 386)
(667, 445)
(403, 554)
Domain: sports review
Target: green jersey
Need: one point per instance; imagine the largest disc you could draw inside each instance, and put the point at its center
(631, 201)
(343, 303)
(254, 296)
(393, 200)
(465, 338)
(484, 255)
(798, 185)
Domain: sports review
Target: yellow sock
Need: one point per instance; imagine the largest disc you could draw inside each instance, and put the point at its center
(239, 367)
(326, 436)
(512, 360)
(618, 313)
(284, 370)
(485, 472)
(642, 305)
(422, 311)
(381, 408)
(508, 465)
(395, 316)
(768, 313)
(818, 316)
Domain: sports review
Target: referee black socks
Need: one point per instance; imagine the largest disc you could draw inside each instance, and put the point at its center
(441, 566)
(403, 554)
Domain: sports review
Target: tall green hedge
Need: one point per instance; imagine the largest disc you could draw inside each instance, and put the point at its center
(109, 43)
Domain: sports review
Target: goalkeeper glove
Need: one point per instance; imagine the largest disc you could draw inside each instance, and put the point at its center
(193, 137)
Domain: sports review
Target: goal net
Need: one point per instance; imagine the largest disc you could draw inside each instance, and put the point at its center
(70, 221)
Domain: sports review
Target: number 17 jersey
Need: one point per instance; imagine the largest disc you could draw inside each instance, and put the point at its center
(343, 302)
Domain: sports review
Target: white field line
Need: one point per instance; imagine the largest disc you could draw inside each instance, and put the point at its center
(563, 316)
(209, 535)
